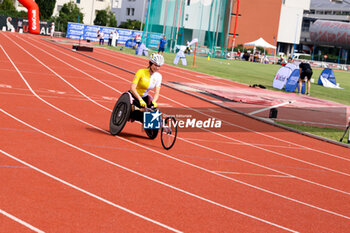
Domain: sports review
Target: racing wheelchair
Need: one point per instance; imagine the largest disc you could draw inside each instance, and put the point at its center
(123, 111)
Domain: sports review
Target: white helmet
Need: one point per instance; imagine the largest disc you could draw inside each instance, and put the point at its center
(157, 59)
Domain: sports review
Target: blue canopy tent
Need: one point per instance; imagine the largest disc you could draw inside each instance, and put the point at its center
(292, 82)
(327, 74)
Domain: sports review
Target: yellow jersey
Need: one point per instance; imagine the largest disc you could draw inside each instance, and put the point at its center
(146, 82)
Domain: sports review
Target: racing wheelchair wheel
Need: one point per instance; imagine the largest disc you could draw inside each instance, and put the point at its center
(120, 115)
(168, 133)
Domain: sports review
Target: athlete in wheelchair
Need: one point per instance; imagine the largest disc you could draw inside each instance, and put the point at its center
(130, 105)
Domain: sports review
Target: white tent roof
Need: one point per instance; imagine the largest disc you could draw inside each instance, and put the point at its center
(260, 43)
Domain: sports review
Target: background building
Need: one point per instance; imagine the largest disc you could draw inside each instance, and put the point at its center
(326, 11)
(130, 9)
(277, 22)
(182, 20)
(88, 7)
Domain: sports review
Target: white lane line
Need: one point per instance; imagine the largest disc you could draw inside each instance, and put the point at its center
(168, 156)
(277, 153)
(14, 218)
(5, 86)
(129, 170)
(232, 139)
(69, 84)
(266, 135)
(239, 143)
(251, 174)
(275, 106)
(89, 193)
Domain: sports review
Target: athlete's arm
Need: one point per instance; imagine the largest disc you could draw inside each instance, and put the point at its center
(134, 92)
(156, 94)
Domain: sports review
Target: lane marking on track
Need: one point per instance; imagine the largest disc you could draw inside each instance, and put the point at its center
(58, 92)
(239, 143)
(69, 84)
(5, 86)
(268, 108)
(174, 158)
(109, 98)
(232, 139)
(112, 147)
(89, 193)
(252, 174)
(130, 170)
(269, 136)
(10, 166)
(77, 98)
(259, 133)
(20, 221)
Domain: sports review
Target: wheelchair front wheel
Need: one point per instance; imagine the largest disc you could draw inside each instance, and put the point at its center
(168, 132)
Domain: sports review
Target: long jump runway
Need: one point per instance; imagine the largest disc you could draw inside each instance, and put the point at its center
(61, 170)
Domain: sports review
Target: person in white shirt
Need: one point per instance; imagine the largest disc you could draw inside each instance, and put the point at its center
(102, 40)
(52, 29)
(115, 37)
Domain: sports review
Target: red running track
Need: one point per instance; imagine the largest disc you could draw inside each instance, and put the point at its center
(61, 171)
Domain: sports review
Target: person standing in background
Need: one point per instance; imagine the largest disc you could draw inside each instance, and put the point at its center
(110, 39)
(305, 72)
(162, 45)
(52, 29)
(116, 36)
(102, 40)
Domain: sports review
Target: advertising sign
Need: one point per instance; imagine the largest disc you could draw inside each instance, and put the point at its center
(89, 32)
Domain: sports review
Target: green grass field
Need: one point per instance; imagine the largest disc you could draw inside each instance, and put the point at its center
(257, 73)
(334, 134)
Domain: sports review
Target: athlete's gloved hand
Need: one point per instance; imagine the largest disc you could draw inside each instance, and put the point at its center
(143, 103)
(154, 104)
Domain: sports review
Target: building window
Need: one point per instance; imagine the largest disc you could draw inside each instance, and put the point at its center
(78, 1)
(130, 11)
(305, 26)
(188, 2)
(59, 7)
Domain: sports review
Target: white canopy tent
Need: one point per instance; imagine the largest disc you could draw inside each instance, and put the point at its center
(260, 43)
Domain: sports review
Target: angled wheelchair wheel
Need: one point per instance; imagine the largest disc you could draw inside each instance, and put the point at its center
(120, 115)
(152, 133)
(168, 132)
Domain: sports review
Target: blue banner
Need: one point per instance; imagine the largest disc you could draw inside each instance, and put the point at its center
(89, 32)
(152, 40)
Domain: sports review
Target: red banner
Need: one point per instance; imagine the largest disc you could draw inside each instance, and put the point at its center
(33, 15)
